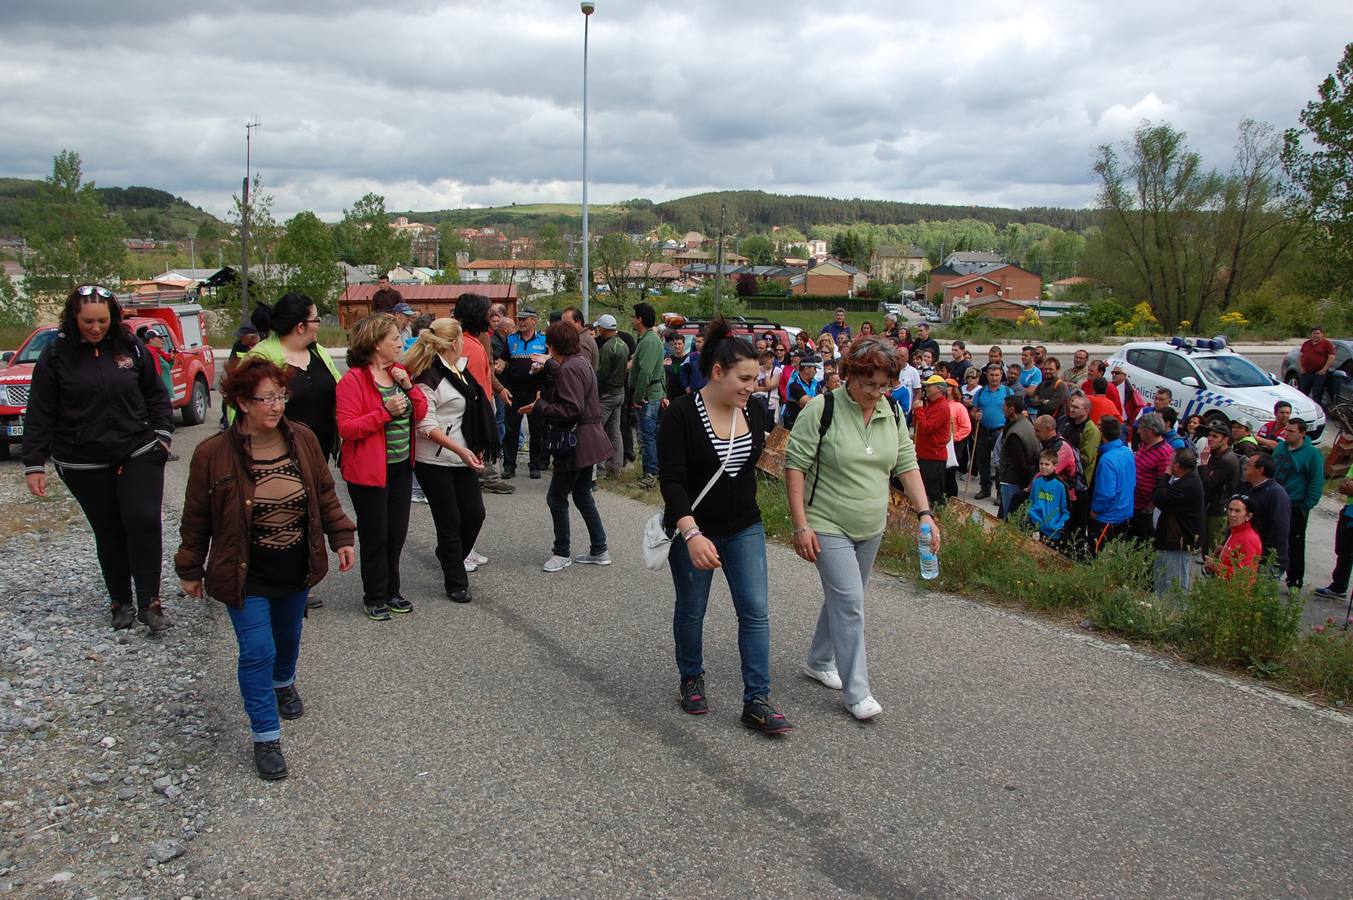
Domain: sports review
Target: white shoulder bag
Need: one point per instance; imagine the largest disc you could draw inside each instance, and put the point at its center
(657, 541)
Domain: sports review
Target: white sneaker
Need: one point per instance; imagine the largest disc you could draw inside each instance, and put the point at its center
(557, 563)
(478, 559)
(831, 678)
(469, 566)
(865, 709)
(587, 559)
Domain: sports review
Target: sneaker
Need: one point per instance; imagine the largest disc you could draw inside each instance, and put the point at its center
(498, 487)
(478, 559)
(378, 613)
(398, 604)
(982, 495)
(268, 759)
(759, 715)
(123, 616)
(313, 602)
(535, 474)
(1327, 592)
(470, 566)
(647, 481)
(865, 709)
(830, 677)
(594, 559)
(509, 473)
(289, 704)
(557, 563)
(418, 497)
(693, 695)
(460, 596)
(152, 616)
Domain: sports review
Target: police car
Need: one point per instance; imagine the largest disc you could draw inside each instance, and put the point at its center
(1207, 378)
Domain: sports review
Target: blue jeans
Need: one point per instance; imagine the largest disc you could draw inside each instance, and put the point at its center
(500, 415)
(648, 435)
(576, 483)
(268, 630)
(1008, 494)
(1312, 384)
(743, 558)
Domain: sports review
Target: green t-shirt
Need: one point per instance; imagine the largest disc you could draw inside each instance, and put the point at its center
(397, 430)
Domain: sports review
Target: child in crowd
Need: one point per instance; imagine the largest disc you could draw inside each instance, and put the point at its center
(1048, 507)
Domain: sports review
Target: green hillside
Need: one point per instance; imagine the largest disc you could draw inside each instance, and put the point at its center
(524, 217)
(147, 211)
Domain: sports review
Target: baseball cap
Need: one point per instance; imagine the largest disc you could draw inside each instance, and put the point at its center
(404, 309)
(935, 379)
(245, 330)
(527, 312)
(1218, 428)
(811, 361)
(607, 321)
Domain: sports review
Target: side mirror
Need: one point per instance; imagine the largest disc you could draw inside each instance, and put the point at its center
(6, 357)
(1189, 381)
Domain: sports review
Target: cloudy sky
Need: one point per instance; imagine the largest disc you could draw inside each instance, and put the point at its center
(450, 104)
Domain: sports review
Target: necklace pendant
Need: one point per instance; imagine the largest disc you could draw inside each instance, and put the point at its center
(869, 450)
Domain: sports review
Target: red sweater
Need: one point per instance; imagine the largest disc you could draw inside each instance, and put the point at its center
(361, 425)
(933, 424)
(1242, 551)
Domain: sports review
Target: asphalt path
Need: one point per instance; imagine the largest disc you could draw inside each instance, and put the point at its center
(530, 743)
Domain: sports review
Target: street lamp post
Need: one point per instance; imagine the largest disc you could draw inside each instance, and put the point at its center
(588, 8)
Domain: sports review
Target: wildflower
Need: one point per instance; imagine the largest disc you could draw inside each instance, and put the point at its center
(1319, 629)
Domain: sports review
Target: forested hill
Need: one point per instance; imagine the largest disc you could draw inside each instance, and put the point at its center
(758, 210)
(147, 211)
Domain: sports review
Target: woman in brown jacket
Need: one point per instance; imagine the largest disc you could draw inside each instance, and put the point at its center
(260, 500)
(572, 415)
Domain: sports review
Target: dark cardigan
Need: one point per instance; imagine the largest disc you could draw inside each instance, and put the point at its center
(686, 462)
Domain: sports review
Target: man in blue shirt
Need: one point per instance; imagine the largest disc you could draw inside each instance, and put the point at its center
(1115, 482)
(988, 412)
(837, 328)
(1030, 375)
(524, 378)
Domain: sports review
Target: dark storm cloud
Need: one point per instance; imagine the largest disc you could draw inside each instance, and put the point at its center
(443, 104)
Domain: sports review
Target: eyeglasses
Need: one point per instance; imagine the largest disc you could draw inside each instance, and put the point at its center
(87, 290)
(272, 400)
(313, 321)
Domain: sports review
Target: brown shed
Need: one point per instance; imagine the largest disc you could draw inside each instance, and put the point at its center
(436, 299)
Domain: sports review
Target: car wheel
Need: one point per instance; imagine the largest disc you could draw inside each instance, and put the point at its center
(1290, 378)
(4, 449)
(195, 413)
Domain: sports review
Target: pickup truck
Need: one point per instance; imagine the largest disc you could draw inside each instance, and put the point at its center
(185, 337)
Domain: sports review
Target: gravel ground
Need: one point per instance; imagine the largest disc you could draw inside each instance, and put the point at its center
(101, 732)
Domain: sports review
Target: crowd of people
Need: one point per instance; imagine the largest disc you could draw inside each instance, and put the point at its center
(440, 411)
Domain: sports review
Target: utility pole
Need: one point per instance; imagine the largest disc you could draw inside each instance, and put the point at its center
(718, 262)
(244, 222)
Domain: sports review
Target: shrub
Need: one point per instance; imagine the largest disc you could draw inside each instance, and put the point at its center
(1142, 322)
(1239, 622)
(1322, 660)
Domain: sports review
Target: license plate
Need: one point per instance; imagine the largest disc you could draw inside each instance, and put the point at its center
(14, 430)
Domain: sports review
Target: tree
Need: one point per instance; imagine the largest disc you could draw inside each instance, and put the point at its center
(759, 250)
(15, 311)
(851, 247)
(610, 260)
(73, 238)
(747, 284)
(365, 236)
(308, 252)
(264, 235)
(1324, 172)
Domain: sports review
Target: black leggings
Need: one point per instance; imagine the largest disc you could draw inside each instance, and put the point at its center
(122, 504)
(382, 525)
(457, 512)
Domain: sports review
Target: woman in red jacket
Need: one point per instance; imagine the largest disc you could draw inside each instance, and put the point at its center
(1243, 547)
(376, 408)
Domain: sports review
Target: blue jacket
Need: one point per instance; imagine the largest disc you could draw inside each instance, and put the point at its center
(902, 394)
(1115, 483)
(1048, 508)
(1174, 440)
(690, 376)
(1301, 472)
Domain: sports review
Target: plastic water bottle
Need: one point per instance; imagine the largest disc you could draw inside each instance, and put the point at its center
(930, 562)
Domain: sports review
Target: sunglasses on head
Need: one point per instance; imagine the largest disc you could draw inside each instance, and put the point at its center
(87, 290)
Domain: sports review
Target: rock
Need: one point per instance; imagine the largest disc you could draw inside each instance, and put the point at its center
(163, 783)
(167, 850)
(98, 778)
(108, 743)
(126, 793)
(173, 792)
(61, 878)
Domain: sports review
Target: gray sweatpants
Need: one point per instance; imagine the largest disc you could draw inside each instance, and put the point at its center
(612, 412)
(843, 565)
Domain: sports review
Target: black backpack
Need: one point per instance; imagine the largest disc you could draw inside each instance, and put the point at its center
(825, 422)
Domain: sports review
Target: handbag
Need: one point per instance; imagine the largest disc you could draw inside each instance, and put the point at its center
(950, 456)
(657, 539)
(561, 442)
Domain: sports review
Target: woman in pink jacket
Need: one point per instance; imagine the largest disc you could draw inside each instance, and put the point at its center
(377, 406)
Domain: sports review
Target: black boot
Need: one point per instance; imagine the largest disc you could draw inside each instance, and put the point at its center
(152, 616)
(123, 616)
(268, 759)
(289, 704)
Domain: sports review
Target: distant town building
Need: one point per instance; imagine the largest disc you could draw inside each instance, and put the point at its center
(889, 263)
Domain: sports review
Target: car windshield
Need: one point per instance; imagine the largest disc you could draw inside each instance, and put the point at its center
(35, 347)
(1232, 372)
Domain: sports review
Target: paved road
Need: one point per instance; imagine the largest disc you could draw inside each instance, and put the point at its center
(530, 744)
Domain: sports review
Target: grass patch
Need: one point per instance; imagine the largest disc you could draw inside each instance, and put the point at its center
(26, 514)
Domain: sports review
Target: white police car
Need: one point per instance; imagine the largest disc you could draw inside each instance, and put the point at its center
(1207, 378)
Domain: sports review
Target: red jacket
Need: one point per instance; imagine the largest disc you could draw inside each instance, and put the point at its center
(361, 425)
(933, 427)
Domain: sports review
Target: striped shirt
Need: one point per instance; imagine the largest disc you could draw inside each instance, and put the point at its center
(397, 430)
(742, 444)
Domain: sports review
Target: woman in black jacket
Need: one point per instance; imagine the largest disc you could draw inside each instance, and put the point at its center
(100, 413)
(708, 444)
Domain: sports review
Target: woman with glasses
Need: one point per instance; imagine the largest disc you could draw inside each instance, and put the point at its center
(377, 406)
(837, 484)
(101, 415)
(293, 343)
(259, 504)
